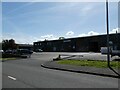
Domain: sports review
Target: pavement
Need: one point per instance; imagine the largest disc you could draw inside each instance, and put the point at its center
(81, 69)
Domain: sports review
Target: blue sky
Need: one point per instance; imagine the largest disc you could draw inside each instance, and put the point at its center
(27, 22)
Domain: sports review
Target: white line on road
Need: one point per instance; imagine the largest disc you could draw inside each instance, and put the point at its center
(11, 77)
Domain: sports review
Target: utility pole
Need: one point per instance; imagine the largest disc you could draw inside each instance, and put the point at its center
(108, 49)
(107, 22)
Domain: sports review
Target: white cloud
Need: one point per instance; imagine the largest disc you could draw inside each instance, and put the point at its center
(88, 34)
(70, 33)
(48, 37)
(82, 35)
(115, 30)
(93, 33)
(20, 38)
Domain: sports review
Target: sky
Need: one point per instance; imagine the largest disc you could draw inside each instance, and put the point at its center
(28, 22)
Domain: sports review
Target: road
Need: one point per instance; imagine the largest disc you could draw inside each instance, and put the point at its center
(28, 73)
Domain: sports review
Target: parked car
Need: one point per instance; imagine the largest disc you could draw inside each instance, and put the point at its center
(115, 53)
(38, 50)
(1, 51)
(112, 52)
(24, 51)
(8, 51)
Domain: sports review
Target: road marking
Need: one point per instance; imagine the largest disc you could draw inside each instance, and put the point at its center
(11, 77)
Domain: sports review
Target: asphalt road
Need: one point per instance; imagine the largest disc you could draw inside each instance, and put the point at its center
(28, 73)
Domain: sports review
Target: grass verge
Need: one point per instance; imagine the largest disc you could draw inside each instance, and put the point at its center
(98, 64)
(4, 59)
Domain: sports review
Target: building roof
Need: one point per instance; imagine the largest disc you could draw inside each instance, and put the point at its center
(78, 37)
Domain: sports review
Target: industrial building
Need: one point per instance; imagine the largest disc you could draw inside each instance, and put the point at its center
(79, 44)
(25, 46)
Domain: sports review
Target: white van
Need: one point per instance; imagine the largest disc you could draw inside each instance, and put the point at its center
(104, 50)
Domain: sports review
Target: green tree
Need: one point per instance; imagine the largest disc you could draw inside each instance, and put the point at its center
(5, 44)
(9, 44)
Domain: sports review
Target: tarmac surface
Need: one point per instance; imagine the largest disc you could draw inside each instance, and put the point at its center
(28, 73)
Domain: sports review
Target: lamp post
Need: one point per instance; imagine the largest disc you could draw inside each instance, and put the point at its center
(107, 22)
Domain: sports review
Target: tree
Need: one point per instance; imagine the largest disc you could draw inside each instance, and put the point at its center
(9, 44)
(12, 44)
(5, 44)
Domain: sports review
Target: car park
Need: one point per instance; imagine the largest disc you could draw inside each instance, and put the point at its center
(18, 53)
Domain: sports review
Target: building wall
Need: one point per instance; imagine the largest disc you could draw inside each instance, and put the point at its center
(82, 44)
(25, 46)
(92, 44)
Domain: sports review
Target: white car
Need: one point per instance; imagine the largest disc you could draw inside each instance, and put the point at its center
(1, 51)
(38, 50)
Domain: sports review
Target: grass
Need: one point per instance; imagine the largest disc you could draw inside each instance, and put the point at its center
(98, 64)
(4, 59)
